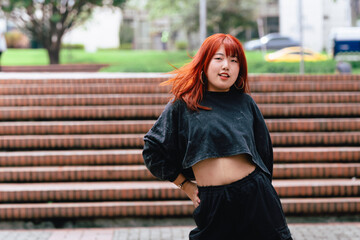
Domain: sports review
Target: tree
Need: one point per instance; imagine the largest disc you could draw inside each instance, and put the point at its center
(182, 14)
(46, 21)
(228, 16)
(231, 16)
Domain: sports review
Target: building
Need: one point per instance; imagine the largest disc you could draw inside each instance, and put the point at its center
(268, 21)
(100, 31)
(146, 33)
(318, 18)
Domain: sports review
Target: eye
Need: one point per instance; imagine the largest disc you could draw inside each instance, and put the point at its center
(218, 58)
(234, 60)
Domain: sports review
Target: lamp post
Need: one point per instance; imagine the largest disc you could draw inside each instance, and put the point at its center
(302, 68)
(202, 8)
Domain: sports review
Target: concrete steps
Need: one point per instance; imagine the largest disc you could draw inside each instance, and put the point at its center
(133, 141)
(163, 98)
(112, 88)
(142, 126)
(71, 146)
(141, 112)
(149, 190)
(171, 208)
(76, 173)
(73, 157)
(133, 156)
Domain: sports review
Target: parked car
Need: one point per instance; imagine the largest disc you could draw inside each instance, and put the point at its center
(292, 54)
(272, 41)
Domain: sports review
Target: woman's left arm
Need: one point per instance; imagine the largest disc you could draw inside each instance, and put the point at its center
(263, 140)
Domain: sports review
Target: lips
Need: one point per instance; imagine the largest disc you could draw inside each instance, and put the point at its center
(224, 76)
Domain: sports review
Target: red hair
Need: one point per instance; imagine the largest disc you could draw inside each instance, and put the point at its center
(189, 82)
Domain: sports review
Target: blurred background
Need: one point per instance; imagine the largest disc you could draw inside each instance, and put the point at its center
(71, 143)
(150, 36)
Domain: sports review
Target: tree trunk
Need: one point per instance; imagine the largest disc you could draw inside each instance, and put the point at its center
(54, 55)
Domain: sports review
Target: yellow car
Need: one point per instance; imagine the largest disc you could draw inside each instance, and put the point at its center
(292, 54)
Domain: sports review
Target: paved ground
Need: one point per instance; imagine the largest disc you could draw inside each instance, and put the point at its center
(308, 231)
(76, 75)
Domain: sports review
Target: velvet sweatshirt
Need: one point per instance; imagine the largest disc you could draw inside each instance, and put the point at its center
(180, 137)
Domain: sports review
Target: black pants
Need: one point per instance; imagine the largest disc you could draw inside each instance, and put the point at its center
(248, 209)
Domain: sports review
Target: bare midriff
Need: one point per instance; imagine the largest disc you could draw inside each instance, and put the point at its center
(222, 171)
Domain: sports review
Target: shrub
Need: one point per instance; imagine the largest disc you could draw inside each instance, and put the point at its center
(181, 45)
(281, 67)
(126, 46)
(355, 64)
(72, 46)
(16, 39)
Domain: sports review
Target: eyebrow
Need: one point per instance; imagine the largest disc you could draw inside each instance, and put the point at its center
(221, 54)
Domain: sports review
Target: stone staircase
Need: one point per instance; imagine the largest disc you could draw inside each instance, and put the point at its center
(71, 147)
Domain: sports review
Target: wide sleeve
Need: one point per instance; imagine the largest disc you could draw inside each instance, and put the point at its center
(262, 139)
(162, 151)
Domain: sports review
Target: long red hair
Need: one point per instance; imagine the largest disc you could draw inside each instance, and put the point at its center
(189, 82)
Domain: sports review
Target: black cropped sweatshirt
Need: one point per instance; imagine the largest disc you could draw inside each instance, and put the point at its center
(181, 137)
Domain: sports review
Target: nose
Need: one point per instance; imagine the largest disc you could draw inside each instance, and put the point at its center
(225, 65)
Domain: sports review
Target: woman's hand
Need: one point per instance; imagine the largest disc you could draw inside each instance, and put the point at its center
(192, 192)
(189, 188)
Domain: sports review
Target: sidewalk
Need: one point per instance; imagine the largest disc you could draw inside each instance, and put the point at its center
(78, 75)
(306, 231)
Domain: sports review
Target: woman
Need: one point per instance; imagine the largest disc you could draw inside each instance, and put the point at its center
(213, 132)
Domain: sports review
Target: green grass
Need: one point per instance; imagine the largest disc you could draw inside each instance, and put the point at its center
(14, 57)
(128, 60)
(120, 60)
(155, 61)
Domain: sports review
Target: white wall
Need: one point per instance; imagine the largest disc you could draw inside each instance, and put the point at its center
(100, 31)
(319, 16)
(338, 15)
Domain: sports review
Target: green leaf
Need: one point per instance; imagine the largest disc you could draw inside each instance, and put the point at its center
(55, 17)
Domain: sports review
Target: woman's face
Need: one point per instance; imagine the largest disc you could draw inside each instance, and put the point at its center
(222, 71)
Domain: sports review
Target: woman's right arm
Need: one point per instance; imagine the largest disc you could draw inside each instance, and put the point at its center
(189, 187)
(163, 153)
